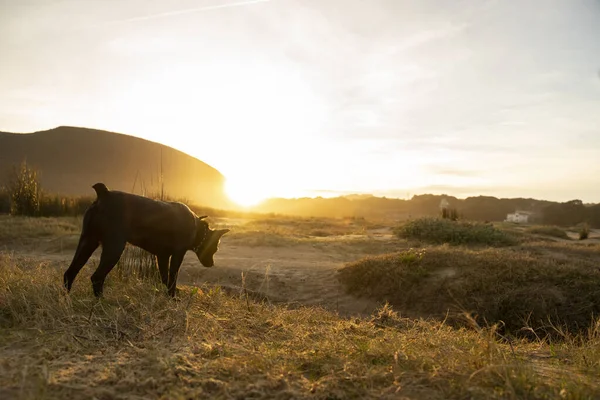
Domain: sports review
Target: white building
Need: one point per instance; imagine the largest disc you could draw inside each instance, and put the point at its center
(520, 217)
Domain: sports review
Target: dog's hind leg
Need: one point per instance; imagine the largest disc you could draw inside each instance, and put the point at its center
(111, 253)
(86, 247)
(88, 243)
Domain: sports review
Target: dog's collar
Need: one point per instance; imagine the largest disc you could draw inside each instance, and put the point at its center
(202, 240)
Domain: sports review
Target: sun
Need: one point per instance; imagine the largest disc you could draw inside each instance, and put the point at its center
(245, 192)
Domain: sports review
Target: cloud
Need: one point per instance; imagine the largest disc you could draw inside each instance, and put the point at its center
(435, 143)
(188, 11)
(430, 35)
(446, 170)
(454, 190)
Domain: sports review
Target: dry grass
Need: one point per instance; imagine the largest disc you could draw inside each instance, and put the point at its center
(573, 250)
(137, 343)
(514, 287)
(25, 231)
(12, 227)
(281, 231)
(306, 227)
(137, 263)
(552, 231)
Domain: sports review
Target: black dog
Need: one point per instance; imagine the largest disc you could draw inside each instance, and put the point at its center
(166, 229)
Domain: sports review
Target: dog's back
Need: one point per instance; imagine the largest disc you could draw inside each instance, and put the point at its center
(143, 222)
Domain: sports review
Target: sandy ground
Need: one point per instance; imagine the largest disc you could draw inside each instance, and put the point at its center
(296, 275)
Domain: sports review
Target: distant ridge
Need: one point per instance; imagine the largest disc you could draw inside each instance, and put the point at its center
(72, 159)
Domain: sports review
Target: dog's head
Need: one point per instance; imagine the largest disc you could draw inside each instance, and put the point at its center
(207, 242)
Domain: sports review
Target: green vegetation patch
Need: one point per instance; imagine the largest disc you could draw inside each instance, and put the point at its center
(136, 342)
(438, 231)
(518, 289)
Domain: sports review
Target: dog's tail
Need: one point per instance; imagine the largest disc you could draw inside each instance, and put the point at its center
(101, 190)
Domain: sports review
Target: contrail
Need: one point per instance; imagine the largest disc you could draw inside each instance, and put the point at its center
(189, 11)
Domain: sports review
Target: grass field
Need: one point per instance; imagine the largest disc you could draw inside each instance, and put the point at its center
(136, 343)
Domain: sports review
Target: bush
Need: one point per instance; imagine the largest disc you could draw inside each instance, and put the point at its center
(450, 213)
(553, 231)
(24, 190)
(584, 232)
(516, 289)
(439, 231)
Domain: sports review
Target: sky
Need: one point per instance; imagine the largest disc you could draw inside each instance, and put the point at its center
(325, 97)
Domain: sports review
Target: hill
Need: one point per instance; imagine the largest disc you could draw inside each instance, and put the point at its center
(71, 159)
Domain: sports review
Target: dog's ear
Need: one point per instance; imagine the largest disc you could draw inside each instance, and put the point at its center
(221, 232)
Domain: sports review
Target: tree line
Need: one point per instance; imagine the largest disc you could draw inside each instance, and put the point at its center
(477, 208)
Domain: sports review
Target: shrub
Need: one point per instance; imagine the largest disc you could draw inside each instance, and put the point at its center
(436, 230)
(450, 213)
(553, 231)
(584, 232)
(24, 190)
(514, 288)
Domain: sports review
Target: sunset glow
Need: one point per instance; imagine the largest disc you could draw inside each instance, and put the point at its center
(245, 193)
(296, 98)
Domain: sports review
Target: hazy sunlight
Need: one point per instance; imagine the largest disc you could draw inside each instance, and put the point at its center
(245, 192)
